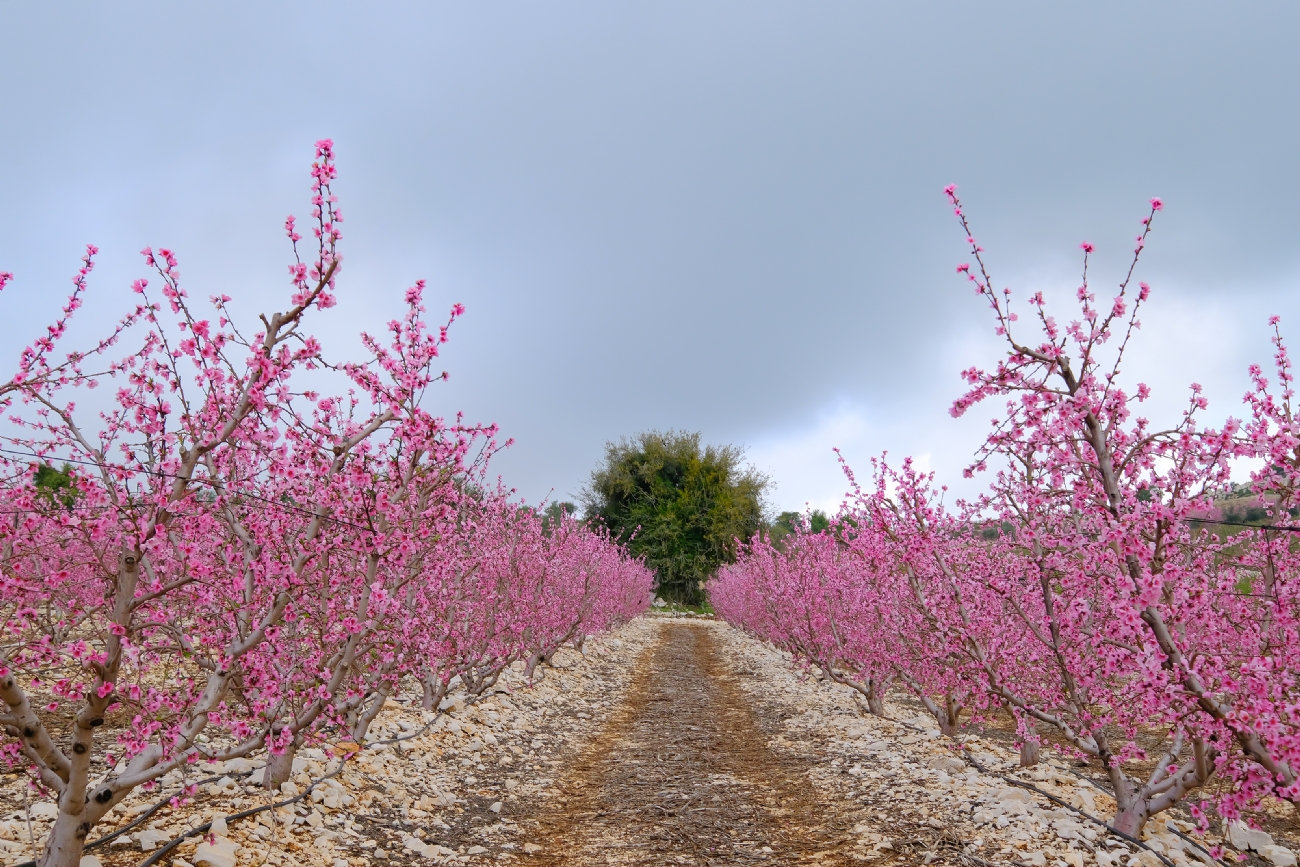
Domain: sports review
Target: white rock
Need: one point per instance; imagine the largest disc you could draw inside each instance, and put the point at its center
(1037, 859)
(496, 807)
(1011, 807)
(475, 850)
(1083, 799)
(946, 763)
(44, 810)
(1244, 837)
(1146, 859)
(150, 839)
(90, 861)
(219, 828)
(1013, 795)
(1068, 829)
(220, 853)
(290, 790)
(1281, 856)
(239, 766)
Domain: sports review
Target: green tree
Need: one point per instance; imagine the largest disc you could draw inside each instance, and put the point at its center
(556, 510)
(786, 523)
(57, 485)
(680, 505)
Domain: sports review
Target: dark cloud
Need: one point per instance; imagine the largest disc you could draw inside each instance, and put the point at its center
(721, 216)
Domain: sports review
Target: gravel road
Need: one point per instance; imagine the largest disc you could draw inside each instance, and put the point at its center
(683, 774)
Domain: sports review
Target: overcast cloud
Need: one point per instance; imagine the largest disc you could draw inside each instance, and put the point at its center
(725, 217)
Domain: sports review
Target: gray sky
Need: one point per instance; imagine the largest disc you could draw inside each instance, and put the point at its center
(716, 216)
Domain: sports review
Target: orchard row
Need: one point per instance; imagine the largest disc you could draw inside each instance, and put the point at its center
(248, 547)
(1088, 591)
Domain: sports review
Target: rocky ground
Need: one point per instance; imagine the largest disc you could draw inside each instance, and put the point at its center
(452, 795)
(911, 798)
(672, 741)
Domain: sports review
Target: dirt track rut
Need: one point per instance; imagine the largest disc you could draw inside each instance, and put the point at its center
(682, 774)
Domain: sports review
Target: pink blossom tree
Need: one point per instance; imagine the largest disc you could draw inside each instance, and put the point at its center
(233, 561)
(1082, 591)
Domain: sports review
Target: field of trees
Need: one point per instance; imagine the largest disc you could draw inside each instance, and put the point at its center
(1095, 591)
(241, 549)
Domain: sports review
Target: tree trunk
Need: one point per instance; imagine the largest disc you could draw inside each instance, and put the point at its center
(1029, 753)
(434, 692)
(876, 689)
(1131, 819)
(63, 849)
(368, 712)
(535, 660)
(947, 726)
(949, 716)
(279, 767)
(480, 680)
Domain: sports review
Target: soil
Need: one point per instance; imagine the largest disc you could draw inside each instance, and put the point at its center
(683, 774)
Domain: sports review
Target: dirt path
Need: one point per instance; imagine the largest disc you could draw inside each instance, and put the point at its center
(682, 774)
